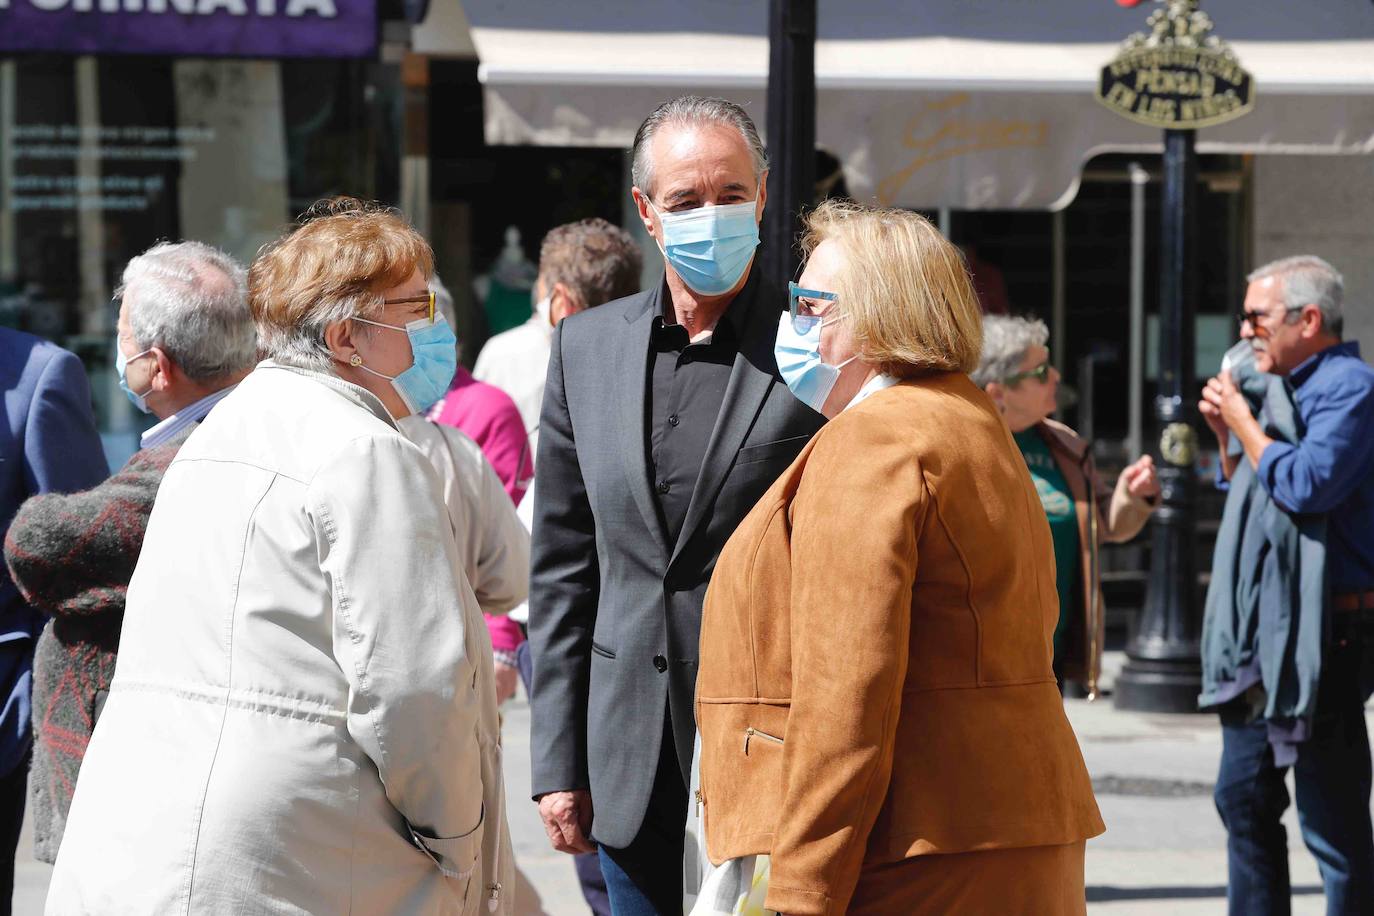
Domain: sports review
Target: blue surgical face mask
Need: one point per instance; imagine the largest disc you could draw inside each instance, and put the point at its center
(433, 348)
(799, 360)
(122, 370)
(710, 247)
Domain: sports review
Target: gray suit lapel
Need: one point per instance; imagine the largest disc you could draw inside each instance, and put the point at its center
(750, 379)
(629, 383)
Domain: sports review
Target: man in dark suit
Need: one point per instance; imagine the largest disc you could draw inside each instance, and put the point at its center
(48, 443)
(664, 421)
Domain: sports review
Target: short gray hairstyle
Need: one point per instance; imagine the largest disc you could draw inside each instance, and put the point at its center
(191, 302)
(1306, 279)
(1005, 342)
(693, 110)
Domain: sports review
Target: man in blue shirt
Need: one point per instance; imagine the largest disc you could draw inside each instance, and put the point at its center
(1292, 319)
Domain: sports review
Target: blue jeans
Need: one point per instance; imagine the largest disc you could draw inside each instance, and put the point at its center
(645, 878)
(1332, 778)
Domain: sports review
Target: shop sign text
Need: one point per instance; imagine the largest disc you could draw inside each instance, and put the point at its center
(203, 28)
(1176, 88)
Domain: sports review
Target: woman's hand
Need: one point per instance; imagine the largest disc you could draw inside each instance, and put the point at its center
(1141, 480)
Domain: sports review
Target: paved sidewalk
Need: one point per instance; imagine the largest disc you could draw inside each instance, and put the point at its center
(1164, 850)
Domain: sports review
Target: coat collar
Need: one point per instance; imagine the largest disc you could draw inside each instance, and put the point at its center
(1308, 367)
(347, 390)
(1058, 436)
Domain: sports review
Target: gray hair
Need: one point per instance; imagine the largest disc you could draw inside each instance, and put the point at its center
(692, 110)
(191, 301)
(1006, 340)
(1306, 279)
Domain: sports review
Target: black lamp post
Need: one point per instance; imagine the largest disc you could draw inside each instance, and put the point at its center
(791, 127)
(1181, 77)
(1163, 672)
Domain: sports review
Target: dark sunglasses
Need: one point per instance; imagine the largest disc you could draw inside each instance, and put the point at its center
(1254, 317)
(1040, 373)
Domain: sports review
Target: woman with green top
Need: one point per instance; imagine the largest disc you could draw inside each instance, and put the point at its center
(1016, 373)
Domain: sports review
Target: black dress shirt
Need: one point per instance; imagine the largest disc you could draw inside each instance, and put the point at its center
(686, 387)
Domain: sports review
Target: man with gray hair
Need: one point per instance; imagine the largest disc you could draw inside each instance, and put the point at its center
(185, 336)
(1292, 591)
(185, 339)
(664, 420)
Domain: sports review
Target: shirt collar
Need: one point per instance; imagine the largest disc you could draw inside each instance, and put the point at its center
(872, 387)
(192, 413)
(540, 319)
(670, 335)
(1310, 365)
(732, 317)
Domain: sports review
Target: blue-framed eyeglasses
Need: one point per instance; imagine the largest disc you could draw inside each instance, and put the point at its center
(804, 306)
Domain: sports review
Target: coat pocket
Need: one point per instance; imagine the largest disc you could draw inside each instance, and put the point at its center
(752, 734)
(602, 650)
(455, 856)
(787, 448)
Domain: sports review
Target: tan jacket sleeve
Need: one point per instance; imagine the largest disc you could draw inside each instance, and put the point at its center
(855, 517)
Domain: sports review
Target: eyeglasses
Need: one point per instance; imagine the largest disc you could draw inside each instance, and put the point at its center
(1040, 373)
(1254, 317)
(805, 313)
(427, 297)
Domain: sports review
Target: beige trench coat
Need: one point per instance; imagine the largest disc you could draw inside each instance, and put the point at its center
(495, 549)
(294, 724)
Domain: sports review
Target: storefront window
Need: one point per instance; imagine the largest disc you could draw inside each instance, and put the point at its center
(100, 157)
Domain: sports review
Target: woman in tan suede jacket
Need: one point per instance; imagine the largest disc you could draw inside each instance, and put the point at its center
(876, 702)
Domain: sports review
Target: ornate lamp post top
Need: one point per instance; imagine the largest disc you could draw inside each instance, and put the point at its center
(1177, 24)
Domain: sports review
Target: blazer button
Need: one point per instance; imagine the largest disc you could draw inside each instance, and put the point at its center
(660, 663)
(664, 486)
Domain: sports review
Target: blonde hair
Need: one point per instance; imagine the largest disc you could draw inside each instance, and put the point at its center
(334, 265)
(904, 288)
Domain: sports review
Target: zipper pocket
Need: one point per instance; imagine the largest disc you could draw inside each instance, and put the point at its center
(751, 732)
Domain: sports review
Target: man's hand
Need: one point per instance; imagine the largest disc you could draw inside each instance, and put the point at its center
(506, 679)
(1224, 407)
(1210, 408)
(1235, 410)
(1227, 403)
(567, 819)
(1141, 480)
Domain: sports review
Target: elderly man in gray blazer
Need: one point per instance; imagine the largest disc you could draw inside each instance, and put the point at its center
(664, 420)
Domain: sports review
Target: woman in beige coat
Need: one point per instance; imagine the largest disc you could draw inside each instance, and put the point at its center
(875, 698)
(295, 720)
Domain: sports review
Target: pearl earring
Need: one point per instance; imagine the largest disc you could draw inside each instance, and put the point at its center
(355, 360)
